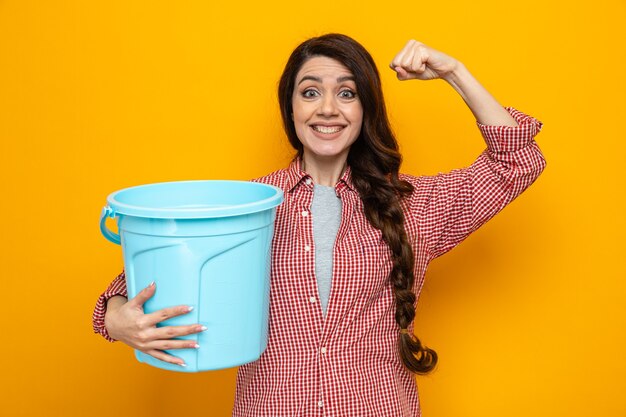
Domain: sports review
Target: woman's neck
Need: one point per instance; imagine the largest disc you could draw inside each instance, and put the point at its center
(324, 171)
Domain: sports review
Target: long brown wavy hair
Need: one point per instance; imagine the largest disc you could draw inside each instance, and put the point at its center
(375, 161)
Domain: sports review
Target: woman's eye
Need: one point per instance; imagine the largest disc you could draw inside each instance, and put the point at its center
(347, 94)
(309, 93)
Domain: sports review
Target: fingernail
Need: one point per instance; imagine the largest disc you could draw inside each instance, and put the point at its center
(203, 328)
(184, 365)
(151, 284)
(189, 308)
(196, 346)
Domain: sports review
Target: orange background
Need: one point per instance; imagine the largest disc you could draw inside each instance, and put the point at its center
(527, 316)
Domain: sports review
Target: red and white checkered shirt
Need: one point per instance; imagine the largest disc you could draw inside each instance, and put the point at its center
(347, 363)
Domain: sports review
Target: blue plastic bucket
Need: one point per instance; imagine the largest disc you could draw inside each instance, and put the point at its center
(206, 244)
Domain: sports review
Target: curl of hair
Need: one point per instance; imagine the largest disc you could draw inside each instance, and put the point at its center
(375, 162)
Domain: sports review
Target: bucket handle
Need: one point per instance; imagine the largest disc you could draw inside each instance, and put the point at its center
(113, 237)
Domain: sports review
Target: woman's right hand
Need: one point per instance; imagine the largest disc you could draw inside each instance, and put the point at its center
(125, 321)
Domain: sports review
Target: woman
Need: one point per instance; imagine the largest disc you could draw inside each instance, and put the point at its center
(353, 238)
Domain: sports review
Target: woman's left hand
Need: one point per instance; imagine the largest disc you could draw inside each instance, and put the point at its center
(421, 62)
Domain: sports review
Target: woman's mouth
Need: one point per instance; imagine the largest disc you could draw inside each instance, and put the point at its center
(328, 130)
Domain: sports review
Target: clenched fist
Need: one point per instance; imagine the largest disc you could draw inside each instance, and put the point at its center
(421, 62)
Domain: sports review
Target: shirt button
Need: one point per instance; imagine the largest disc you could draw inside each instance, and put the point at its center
(320, 404)
(307, 248)
(305, 213)
(323, 350)
(313, 300)
(308, 181)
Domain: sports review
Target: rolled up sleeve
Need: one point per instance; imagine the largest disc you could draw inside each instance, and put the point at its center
(117, 287)
(450, 206)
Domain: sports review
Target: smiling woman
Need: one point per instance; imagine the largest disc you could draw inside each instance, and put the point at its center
(327, 115)
(348, 260)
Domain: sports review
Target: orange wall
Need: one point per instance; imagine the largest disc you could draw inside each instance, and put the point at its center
(528, 315)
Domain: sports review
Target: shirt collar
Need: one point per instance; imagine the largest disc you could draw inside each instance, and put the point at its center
(296, 176)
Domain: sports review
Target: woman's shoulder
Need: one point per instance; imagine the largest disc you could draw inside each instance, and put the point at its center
(411, 179)
(277, 178)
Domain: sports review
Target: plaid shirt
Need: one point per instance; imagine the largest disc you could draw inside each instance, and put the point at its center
(347, 363)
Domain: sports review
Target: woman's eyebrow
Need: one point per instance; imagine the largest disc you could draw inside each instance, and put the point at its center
(319, 80)
(310, 77)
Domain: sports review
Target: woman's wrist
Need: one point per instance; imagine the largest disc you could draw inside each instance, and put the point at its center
(116, 302)
(459, 78)
(113, 304)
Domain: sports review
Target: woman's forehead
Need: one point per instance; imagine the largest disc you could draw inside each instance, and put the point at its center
(319, 68)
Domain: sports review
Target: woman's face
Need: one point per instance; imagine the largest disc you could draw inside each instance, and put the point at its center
(327, 112)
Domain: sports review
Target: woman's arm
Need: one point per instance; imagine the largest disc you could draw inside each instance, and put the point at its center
(448, 207)
(485, 107)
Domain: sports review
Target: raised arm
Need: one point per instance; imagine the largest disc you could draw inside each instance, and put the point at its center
(451, 206)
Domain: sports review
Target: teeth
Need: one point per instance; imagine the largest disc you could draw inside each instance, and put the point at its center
(327, 129)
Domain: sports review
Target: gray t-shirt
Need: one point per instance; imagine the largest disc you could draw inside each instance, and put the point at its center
(326, 214)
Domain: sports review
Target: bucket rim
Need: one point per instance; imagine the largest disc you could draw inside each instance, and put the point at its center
(126, 209)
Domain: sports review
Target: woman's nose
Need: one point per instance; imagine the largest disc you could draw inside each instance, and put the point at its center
(328, 106)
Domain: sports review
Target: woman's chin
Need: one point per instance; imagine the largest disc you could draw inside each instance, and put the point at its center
(327, 154)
